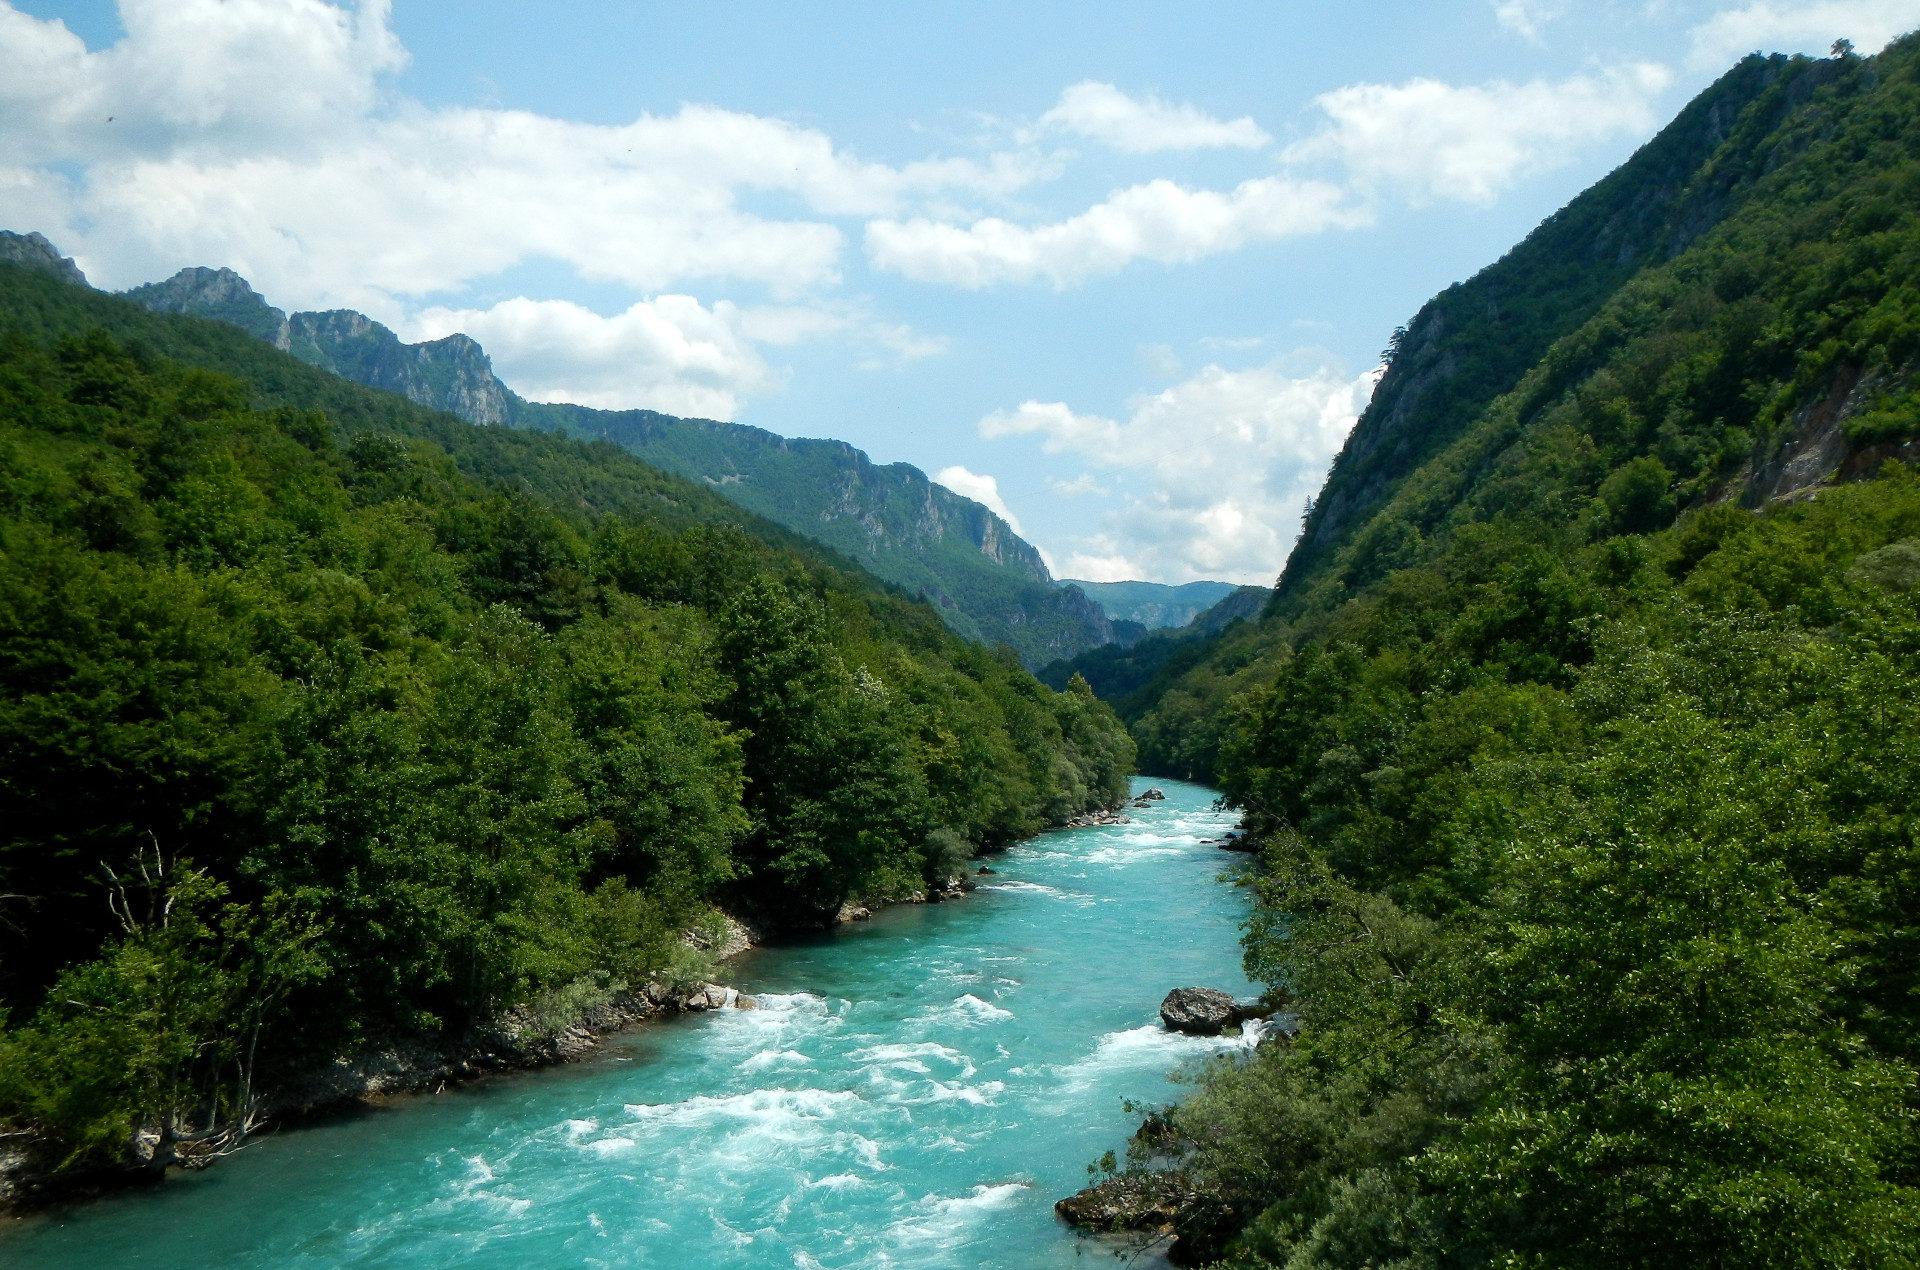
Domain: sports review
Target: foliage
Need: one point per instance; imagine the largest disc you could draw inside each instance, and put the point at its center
(1585, 773)
(448, 719)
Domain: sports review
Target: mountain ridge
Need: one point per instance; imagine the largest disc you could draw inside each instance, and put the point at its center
(988, 583)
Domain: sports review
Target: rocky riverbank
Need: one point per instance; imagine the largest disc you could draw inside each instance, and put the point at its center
(522, 1039)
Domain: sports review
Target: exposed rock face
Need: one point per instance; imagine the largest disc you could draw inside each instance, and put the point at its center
(1122, 1203)
(452, 374)
(1199, 1011)
(1160, 1209)
(35, 252)
(220, 294)
(708, 996)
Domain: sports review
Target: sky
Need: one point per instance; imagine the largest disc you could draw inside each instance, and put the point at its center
(1120, 270)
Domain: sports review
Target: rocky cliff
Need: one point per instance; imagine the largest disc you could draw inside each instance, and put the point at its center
(35, 252)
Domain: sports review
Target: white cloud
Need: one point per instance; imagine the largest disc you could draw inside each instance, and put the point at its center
(1158, 221)
(257, 134)
(1103, 113)
(264, 135)
(190, 72)
(1527, 18)
(906, 344)
(669, 353)
(1228, 459)
(1081, 484)
(984, 490)
(1420, 140)
(1770, 27)
(1428, 140)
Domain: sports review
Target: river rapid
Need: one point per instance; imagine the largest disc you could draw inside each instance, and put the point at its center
(913, 1091)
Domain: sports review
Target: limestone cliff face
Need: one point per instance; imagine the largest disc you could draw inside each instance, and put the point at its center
(216, 293)
(35, 252)
(452, 374)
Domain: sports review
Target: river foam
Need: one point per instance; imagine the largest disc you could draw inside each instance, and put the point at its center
(913, 1091)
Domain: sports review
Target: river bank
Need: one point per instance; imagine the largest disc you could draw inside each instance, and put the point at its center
(525, 1038)
(916, 1088)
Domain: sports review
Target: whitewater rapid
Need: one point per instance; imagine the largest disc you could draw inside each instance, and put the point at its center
(913, 1091)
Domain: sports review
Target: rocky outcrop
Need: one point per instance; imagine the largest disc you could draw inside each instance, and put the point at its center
(1158, 1210)
(1199, 1011)
(220, 294)
(33, 251)
(1087, 820)
(452, 374)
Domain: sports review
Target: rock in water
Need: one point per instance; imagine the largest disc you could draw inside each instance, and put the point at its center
(1199, 1011)
(707, 997)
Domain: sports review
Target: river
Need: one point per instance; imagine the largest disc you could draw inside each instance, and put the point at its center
(913, 1091)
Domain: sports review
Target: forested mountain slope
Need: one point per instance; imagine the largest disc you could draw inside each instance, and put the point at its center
(1583, 760)
(987, 582)
(327, 719)
(1473, 341)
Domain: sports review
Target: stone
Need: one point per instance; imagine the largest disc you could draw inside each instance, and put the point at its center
(1199, 1011)
(710, 996)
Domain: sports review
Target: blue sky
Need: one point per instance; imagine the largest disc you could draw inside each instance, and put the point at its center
(1121, 269)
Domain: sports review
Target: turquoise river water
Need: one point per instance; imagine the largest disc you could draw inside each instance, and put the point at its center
(914, 1091)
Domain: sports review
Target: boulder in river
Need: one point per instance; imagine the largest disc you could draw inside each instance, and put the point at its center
(1199, 1011)
(708, 996)
(1151, 796)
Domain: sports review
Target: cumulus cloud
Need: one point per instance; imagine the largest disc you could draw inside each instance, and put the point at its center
(1427, 140)
(1527, 18)
(1103, 113)
(1419, 141)
(244, 73)
(1772, 27)
(984, 490)
(265, 135)
(669, 353)
(255, 133)
(1227, 457)
(1158, 221)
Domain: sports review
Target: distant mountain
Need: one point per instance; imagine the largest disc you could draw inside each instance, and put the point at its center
(35, 252)
(1127, 672)
(1154, 605)
(989, 584)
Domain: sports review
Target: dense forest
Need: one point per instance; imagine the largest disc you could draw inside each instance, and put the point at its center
(1580, 738)
(986, 582)
(327, 719)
